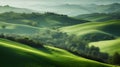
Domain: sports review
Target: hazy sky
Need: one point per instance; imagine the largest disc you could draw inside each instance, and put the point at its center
(33, 3)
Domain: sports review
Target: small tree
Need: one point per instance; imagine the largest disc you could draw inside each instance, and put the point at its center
(3, 26)
(116, 58)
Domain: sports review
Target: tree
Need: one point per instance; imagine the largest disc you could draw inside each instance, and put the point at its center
(3, 26)
(116, 58)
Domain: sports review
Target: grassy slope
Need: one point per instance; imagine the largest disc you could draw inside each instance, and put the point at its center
(19, 29)
(14, 54)
(92, 17)
(99, 16)
(108, 28)
(90, 27)
(109, 46)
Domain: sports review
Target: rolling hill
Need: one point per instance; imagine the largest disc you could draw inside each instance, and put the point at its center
(93, 27)
(100, 17)
(106, 32)
(50, 20)
(109, 46)
(8, 8)
(77, 9)
(18, 29)
(25, 56)
(107, 8)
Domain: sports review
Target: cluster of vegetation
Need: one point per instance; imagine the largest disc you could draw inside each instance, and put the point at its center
(23, 40)
(115, 59)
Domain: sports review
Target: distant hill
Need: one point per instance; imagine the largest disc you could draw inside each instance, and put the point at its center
(111, 8)
(100, 16)
(67, 9)
(73, 9)
(8, 8)
(51, 20)
(19, 29)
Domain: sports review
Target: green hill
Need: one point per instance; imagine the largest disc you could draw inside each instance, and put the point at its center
(109, 46)
(100, 16)
(18, 29)
(90, 27)
(98, 31)
(19, 55)
(50, 20)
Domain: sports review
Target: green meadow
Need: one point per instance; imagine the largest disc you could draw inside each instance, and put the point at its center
(14, 54)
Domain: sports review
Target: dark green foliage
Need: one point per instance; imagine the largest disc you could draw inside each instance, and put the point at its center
(3, 26)
(80, 47)
(115, 59)
(22, 39)
(93, 37)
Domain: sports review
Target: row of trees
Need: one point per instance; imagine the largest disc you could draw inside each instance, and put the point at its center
(23, 40)
(73, 44)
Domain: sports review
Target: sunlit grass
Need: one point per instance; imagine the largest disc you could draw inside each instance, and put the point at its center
(24, 49)
(89, 27)
(43, 57)
(109, 46)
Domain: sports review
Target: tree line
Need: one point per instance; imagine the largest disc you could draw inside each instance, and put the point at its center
(23, 40)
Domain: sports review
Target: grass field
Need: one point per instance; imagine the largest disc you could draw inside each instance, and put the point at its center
(81, 29)
(109, 46)
(19, 55)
